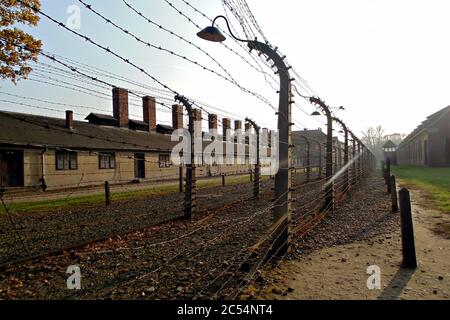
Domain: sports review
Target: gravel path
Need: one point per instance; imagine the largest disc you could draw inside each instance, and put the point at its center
(364, 214)
(340, 271)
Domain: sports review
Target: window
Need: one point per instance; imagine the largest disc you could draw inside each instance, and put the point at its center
(164, 161)
(66, 160)
(107, 161)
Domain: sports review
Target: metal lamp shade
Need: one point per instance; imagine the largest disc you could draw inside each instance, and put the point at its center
(211, 34)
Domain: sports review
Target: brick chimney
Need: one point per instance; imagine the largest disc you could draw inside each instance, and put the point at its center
(149, 106)
(248, 126)
(226, 124)
(177, 117)
(120, 107)
(212, 122)
(237, 125)
(197, 113)
(69, 119)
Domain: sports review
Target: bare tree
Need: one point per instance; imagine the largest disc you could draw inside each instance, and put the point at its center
(374, 139)
(396, 138)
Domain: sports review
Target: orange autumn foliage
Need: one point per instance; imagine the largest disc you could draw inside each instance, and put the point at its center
(17, 48)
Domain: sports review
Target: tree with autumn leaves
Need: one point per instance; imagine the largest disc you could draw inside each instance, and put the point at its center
(17, 48)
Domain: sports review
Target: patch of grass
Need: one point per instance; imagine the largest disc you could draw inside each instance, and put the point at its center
(435, 181)
(83, 201)
(99, 199)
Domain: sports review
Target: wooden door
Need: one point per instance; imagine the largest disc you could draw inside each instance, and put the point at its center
(11, 168)
(139, 165)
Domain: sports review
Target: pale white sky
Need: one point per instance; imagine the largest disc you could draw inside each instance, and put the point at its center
(386, 61)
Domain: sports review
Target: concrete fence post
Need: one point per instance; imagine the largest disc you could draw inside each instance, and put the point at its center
(408, 245)
(257, 177)
(190, 192)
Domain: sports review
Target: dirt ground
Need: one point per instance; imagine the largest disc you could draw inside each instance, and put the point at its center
(340, 272)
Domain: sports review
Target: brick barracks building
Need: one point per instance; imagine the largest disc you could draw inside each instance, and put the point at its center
(38, 152)
(429, 143)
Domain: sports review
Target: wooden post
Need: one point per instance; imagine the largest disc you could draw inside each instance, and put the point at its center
(223, 179)
(408, 246)
(180, 179)
(251, 175)
(394, 194)
(107, 194)
(388, 174)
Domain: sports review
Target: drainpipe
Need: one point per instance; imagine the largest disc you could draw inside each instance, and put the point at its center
(43, 184)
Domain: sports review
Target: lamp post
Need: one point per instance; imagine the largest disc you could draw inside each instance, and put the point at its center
(346, 158)
(282, 203)
(257, 177)
(190, 201)
(329, 197)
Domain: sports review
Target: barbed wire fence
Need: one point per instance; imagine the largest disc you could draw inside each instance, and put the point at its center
(89, 80)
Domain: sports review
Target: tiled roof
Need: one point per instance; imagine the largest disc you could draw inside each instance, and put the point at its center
(429, 122)
(39, 131)
(26, 130)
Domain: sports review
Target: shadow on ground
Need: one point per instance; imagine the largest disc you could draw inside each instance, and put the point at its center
(397, 284)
